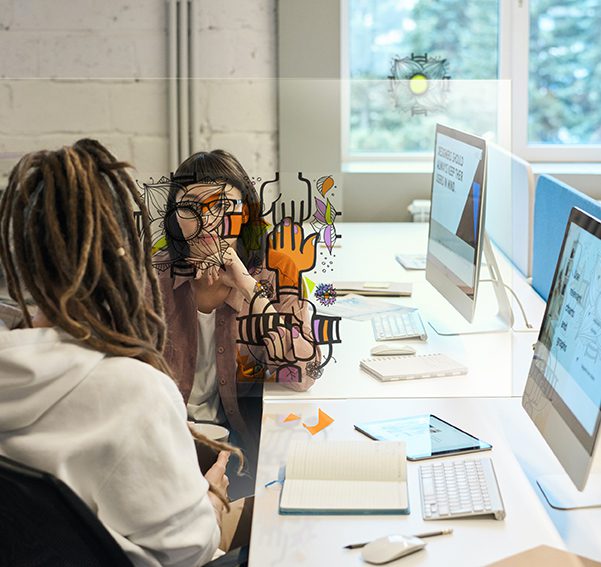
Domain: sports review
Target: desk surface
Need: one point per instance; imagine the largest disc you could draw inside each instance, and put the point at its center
(498, 362)
(319, 540)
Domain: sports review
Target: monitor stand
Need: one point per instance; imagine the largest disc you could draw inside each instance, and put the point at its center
(561, 493)
(482, 323)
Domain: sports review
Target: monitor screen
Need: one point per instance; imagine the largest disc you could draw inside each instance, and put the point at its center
(567, 357)
(456, 216)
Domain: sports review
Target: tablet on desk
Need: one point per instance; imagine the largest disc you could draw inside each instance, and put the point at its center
(426, 436)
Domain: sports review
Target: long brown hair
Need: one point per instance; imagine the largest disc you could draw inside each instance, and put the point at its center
(219, 166)
(68, 237)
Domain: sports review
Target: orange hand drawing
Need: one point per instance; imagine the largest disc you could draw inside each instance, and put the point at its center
(289, 253)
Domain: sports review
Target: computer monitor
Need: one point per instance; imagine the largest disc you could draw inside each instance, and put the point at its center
(456, 238)
(563, 391)
(510, 206)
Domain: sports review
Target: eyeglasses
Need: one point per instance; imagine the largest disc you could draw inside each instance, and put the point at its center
(190, 209)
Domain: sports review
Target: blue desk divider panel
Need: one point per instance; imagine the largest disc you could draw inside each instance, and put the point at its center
(552, 205)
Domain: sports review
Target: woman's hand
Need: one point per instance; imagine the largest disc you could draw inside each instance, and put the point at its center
(216, 474)
(217, 478)
(290, 345)
(232, 272)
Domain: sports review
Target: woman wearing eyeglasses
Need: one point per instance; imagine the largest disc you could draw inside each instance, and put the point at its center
(230, 327)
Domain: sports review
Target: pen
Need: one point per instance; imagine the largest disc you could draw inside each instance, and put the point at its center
(427, 534)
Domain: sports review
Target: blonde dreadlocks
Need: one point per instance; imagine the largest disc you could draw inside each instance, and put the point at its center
(68, 236)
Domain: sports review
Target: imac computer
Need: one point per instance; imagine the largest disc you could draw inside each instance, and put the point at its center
(457, 239)
(563, 391)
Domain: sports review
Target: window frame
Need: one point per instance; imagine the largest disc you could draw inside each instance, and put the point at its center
(514, 24)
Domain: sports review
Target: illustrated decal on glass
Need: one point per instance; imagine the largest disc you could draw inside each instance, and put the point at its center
(419, 84)
(195, 226)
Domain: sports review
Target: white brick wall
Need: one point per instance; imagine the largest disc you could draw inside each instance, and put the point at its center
(43, 107)
(235, 15)
(241, 118)
(41, 114)
(108, 51)
(106, 17)
(246, 105)
(238, 110)
(139, 107)
(83, 38)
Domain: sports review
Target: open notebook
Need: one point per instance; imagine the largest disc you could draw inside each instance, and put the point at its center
(345, 477)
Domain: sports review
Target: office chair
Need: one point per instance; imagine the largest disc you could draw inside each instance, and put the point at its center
(43, 523)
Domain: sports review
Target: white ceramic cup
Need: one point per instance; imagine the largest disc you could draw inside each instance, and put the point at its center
(207, 455)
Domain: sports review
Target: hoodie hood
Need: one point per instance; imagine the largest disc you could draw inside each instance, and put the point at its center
(38, 367)
(10, 317)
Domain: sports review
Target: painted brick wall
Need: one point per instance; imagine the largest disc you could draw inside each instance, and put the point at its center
(73, 68)
(237, 42)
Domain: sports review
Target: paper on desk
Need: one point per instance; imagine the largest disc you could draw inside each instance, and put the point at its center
(547, 556)
(375, 289)
(359, 308)
(323, 421)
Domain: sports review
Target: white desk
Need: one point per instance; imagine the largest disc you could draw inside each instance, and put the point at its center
(580, 529)
(498, 362)
(318, 540)
(498, 366)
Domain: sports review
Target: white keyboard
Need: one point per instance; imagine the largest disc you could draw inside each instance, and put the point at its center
(405, 325)
(459, 488)
(412, 261)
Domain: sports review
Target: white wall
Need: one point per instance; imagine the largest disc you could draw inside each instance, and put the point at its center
(237, 43)
(73, 68)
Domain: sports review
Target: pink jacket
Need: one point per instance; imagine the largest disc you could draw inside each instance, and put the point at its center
(235, 360)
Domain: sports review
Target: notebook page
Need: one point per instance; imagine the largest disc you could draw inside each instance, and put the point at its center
(344, 495)
(347, 460)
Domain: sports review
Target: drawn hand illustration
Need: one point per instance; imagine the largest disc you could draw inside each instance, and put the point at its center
(192, 233)
(281, 333)
(299, 210)
(289, 253)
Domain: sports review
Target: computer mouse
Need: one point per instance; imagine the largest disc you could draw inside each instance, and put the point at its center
(391, 547)
(391, 349)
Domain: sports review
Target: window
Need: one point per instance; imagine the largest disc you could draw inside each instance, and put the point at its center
(564, 85)
(413, 63)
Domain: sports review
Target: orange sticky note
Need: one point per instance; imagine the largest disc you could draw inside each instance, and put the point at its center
(323, 420)
(291, 417)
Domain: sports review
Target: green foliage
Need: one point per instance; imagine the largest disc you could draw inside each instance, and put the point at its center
(565, 70)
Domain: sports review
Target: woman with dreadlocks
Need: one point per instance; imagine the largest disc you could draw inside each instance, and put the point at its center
(84, 387)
